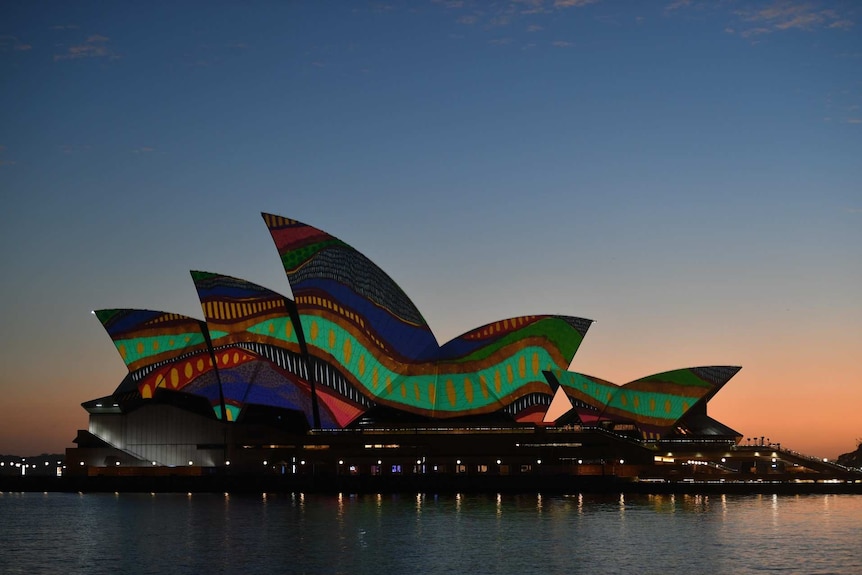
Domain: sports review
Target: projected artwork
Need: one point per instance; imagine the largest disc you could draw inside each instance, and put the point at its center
(161, 350)
(351, 341)
(254, 323)
(654, 403)
(357, 318)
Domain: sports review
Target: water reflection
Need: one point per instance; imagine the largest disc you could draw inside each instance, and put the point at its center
(498, 533)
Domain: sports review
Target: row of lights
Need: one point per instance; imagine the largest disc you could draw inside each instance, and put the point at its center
(25, 465)
(340, 462)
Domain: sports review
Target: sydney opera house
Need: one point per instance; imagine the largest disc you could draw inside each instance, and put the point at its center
(347, 378)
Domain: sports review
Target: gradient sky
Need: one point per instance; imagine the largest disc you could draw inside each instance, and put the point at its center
(688, 174)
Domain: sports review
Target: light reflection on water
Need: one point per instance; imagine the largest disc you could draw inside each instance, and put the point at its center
(427, 533)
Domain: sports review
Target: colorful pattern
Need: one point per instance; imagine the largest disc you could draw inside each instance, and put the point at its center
(326, 274)
(358, 319)
(239, 311)
(147, 338)
(654, 403)
(253, 321)
(352, 339)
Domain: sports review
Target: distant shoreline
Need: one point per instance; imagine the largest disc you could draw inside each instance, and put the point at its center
(333, 485)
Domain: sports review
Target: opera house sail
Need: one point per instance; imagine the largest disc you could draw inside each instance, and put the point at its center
(316, 378)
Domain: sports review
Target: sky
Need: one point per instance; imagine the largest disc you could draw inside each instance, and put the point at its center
(687, 174)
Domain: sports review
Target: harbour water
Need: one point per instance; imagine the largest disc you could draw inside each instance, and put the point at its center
(423, 533)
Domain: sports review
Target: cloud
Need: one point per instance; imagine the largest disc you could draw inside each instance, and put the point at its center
(144, 150)
(853, 121)
(791, 15)
(677, 4)
(64, 27)
(500, 41)
(467, 19)
(8, 42)
(573, 3)
(754, 32)
(529, 6)
(561, 44)
(72, 148)
(534, 28)
(95, 46)
(800, 21)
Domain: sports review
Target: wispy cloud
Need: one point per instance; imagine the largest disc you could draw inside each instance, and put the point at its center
(677, 4)
(64, 27)
(790, 15)
(68, 149)
(853, 121)
(529, 6)
(95, 46)
(450, 3)
(500, 41)
(144, 150)
(561, 44)
(13, 43)
(507, 12)
(754, 32)
(573, 3)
